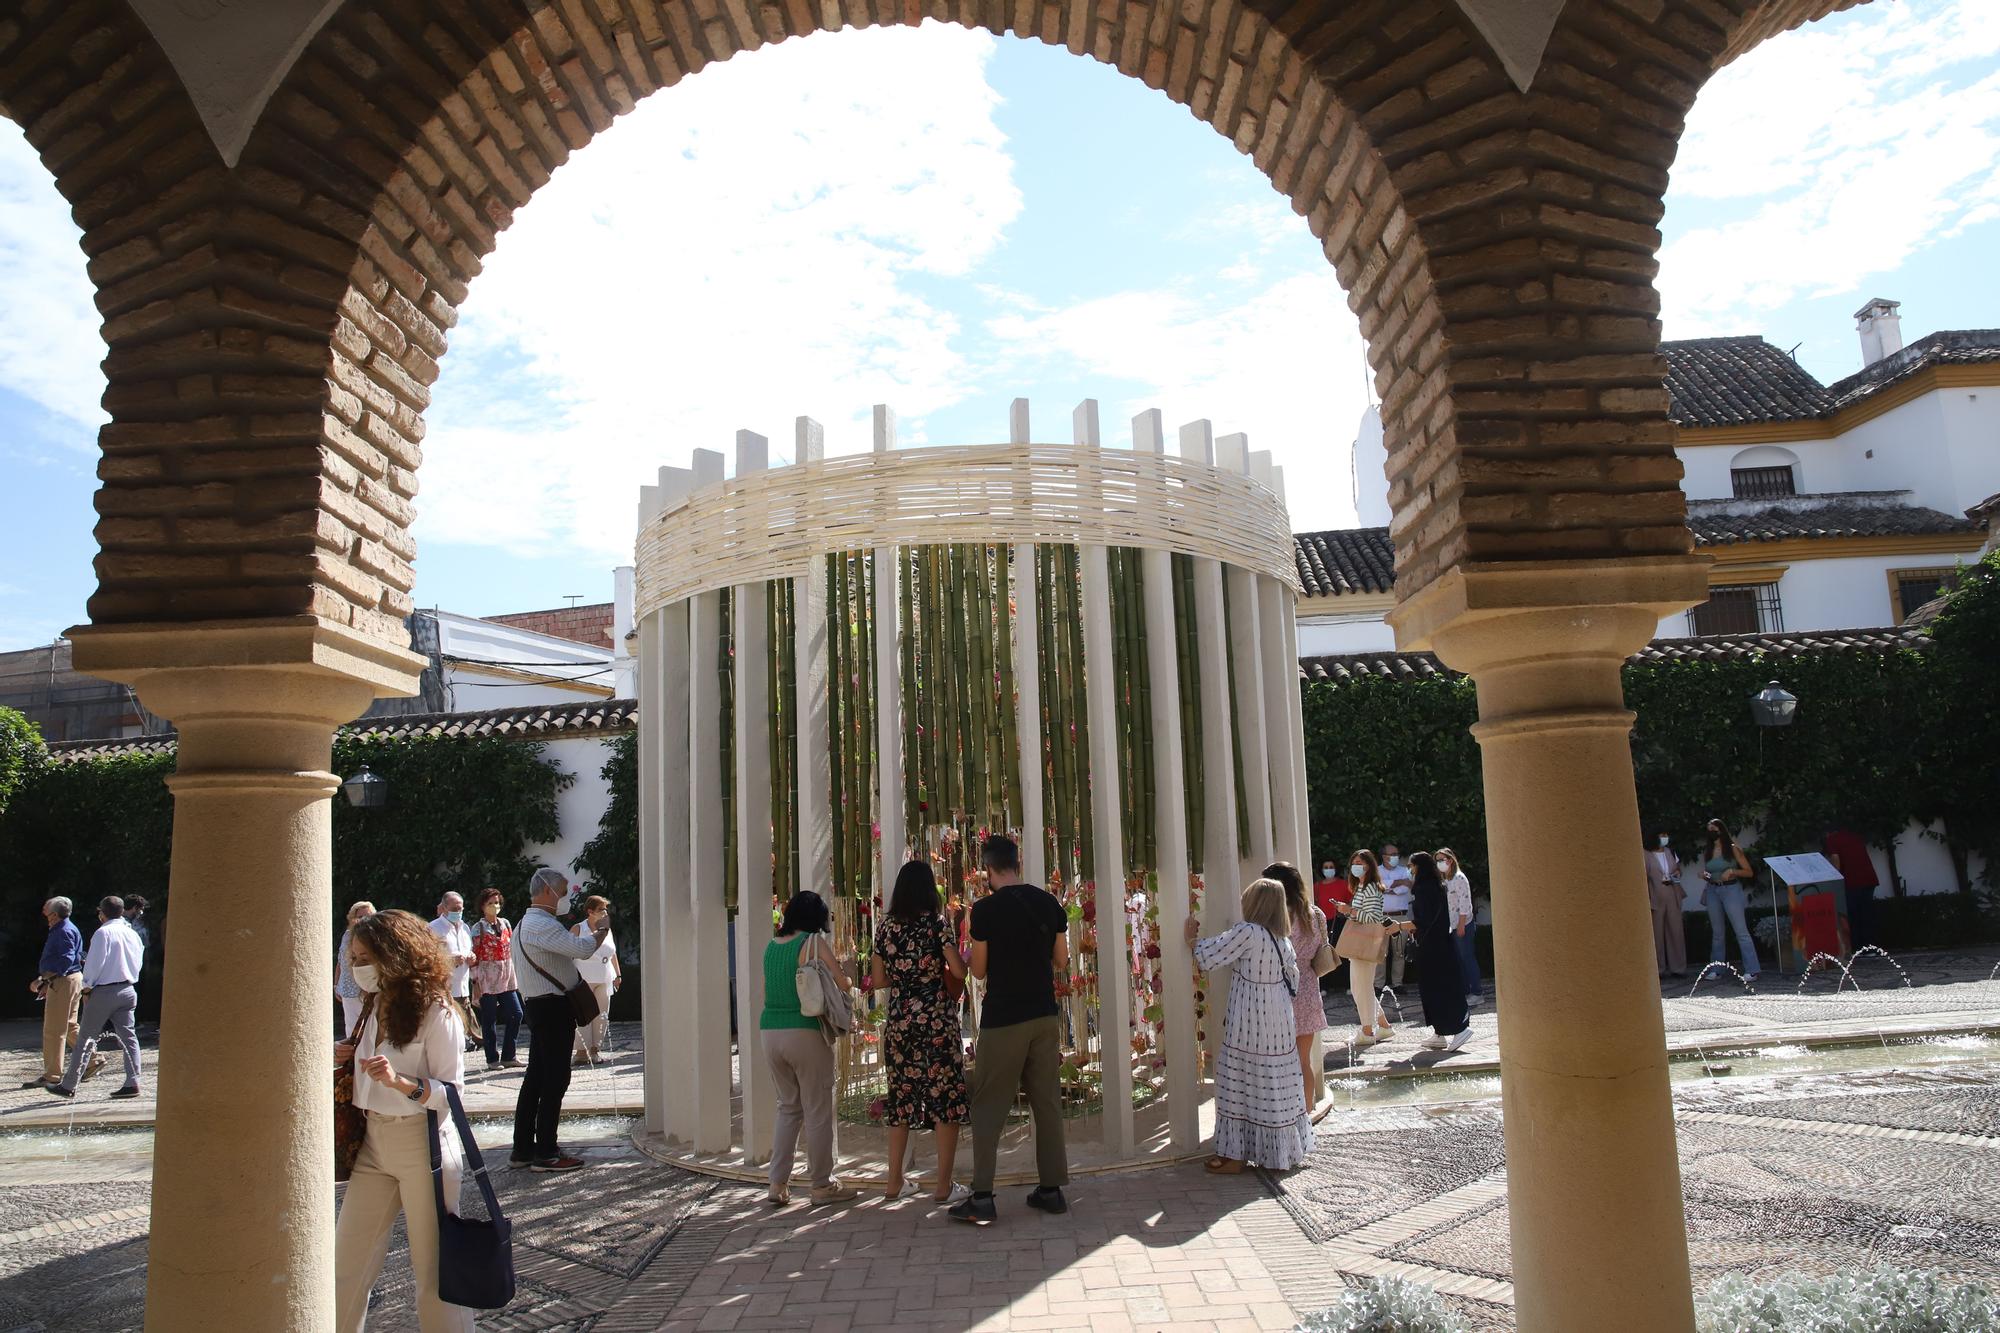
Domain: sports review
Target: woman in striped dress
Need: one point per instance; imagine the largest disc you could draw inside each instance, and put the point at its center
(1260, 1094)
(1366, 908)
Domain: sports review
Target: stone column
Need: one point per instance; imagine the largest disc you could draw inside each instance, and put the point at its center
(243, 1205)
(1593, 1179)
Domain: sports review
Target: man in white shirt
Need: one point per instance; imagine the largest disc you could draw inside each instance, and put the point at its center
(1396, 906)
(450, 927)
(110, 998)
(545, 958)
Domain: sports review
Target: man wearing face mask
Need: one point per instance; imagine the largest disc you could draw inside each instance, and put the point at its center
(1396, 905)
(450, 928)
(1663, 887)
(545, 958)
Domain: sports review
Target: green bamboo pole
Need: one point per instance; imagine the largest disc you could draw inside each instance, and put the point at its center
(725, 666)
(1010, 744)
(913, 825)
(1235, 726)
(1080, 773)
(1187, 663)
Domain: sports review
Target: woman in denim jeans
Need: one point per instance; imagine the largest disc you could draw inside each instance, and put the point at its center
(1727, 873)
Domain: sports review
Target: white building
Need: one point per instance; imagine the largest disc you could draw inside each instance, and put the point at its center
(1826, 507)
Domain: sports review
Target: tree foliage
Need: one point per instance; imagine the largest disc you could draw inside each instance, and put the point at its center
(21, 750)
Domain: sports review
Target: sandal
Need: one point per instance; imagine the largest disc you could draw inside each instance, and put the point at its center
(1224, 1166)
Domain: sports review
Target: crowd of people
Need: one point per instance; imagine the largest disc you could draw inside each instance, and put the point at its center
(86, 990)
(1378, 910)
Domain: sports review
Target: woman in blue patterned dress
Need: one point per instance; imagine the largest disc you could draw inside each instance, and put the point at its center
(1260, 1092)
(921, 1046)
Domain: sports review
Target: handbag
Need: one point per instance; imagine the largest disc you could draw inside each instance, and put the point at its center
(821, 995)
(1363, 941)
(1324, 960)
(475, 1255)
(582, 999)
(350, 1122)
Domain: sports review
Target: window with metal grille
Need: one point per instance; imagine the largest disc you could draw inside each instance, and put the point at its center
(1750, 608)
(1915, 587)
(1762, 483)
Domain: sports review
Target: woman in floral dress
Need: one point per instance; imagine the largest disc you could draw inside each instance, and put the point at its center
(922, 1045)
(1260, 1096)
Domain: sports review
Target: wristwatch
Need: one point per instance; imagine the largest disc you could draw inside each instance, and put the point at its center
(417, 1094)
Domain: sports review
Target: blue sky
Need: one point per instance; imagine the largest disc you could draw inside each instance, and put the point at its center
(943, 221)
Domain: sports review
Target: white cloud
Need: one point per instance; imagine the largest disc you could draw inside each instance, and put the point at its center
(1283, 366)
(49, 345)
(744, 247)
(1830, 154)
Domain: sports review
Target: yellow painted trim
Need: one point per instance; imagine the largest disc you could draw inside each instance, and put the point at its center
(1737, 575)
(1983, 374)
(1842, 548)
(1896, 577)
(1345, 604)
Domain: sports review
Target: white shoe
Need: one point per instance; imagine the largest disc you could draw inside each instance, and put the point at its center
(959, 1194)
(1458, 1040)
(1472, 1001)
(1432, 1043)
(1365, 1039)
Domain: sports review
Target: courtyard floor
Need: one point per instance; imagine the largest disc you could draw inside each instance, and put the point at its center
(1801, 1158)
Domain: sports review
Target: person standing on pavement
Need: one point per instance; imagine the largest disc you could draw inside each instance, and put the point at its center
(409, 1051)
(345, 988)
(1307, 925)
(1727, 875)
(800, 1053)
(1020, 942)
(1331, 893)
(1396, 906)
(59, 983)
(1663, 888)
(1365, 908)
(110, 998)
(1464, 922)
(914, 962)
(1847, 851)
(603, 973)
(1438, 981)
(545, 958)
(493, 974)
(451, 930)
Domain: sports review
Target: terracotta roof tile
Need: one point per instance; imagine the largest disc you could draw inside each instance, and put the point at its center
(1345, 560)
(537, 722)
(1846, 514)
(1730, 381)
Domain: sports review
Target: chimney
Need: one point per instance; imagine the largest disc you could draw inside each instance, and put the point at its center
(1880, 328)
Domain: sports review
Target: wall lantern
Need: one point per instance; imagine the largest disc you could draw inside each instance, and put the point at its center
(366, 790)
(1773, 707)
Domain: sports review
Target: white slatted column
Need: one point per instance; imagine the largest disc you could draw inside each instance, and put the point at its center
(1028, 685)
(708, 914)
(653, 1015)
(751, 634)
(1295, 730)
(1170, 823)
(1281, 687)
(1233, 455)
(1114, 987)
(893, 846)
(815, 760)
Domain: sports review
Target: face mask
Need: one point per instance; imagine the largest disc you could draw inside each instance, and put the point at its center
(1663, 840)
(367, 976)
(454, 916)
(492, 909)
(1357, 870)
(1395, 860)
(1326, 872)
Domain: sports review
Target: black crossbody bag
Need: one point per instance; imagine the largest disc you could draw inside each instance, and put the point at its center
(475, 1255)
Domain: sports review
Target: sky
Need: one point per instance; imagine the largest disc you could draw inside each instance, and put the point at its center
(943, 221)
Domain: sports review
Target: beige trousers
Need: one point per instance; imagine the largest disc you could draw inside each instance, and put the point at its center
(1361, 984)
(393, 1175)
(590, 1037)
(802, 1070)
(59, 1023)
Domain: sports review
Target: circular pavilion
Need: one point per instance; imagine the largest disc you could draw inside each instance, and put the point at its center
(846, 662)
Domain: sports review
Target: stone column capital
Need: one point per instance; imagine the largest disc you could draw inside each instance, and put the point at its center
(249, 696)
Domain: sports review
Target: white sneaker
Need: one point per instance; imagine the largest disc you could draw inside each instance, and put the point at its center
(1365, 1039)
(1432, 1043)
(1458, 1040)
(1472, 1001)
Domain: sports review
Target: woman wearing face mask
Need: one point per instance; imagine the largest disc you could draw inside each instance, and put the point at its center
(1365, 910)
(1726, 871)
(409, 1047)
(1663, 887)
(1330, 892)
(603, 973)
(1438, 979)
(1464, 922)
(493, 975)
(344, 987)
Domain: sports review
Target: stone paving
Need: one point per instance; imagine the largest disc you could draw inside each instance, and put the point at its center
(1808, 1172)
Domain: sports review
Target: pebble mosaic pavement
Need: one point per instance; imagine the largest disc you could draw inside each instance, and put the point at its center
(1804, 1172)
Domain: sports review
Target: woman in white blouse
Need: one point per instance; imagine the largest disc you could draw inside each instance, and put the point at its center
(603, 974)
(411, 1044)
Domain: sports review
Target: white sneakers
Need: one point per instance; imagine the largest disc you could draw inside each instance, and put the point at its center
(1432, 1043)
(1458, 1040)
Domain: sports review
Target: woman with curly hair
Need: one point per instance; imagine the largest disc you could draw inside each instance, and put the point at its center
(409, 1046)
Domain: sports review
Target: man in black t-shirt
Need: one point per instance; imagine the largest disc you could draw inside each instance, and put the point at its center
(1019, 941)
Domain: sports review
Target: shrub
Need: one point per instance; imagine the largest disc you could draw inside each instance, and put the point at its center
(1885, 1300)
(21, 750)
(1386, 1305)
